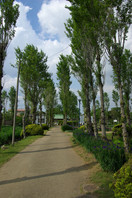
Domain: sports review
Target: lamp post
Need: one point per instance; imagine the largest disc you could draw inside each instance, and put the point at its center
(15, 106)
(79, 100)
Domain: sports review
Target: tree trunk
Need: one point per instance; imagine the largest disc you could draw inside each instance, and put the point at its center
(103, 129)
(34, 113)
(94, 108)
(94, 119)
(128, 112)
(40, 113)
(99, 69)
(87, 108)
(15, 106)
(123, 119)
(128, 115)
(65, 119)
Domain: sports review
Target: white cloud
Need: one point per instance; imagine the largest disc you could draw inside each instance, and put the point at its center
(9, 81)
(52, 40)
(52, 17)
(26, 35)
(128, 44)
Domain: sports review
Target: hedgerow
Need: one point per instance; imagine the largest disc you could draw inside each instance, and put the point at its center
(33, 129)
(110, 156)
(122, 183)
(66, 127)
(6, 134)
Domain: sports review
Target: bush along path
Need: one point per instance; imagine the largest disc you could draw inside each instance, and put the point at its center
(49, 168)
(112, 158)
(7, 151)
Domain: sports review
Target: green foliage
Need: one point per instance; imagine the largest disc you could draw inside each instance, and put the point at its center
(60, 122)
(12, 95)
(63, 75)
(58, 109)
(122, 184)
(6, 134)
(115, 97)
(117, 130)
(73, 112)
(45, 127)
(66, 128)
(50, 100)
(110, 156)
(82, 128)
(18, 121)
(72, 123)
(33, 129)
(33, 62)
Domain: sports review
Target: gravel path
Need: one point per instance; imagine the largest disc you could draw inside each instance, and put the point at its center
(48, 168)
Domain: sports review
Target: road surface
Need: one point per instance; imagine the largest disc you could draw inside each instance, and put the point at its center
(48, 168)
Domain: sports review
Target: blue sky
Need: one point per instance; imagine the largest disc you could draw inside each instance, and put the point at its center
(35, 6)
(41, 23)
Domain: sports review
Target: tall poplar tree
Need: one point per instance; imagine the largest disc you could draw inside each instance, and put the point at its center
(117, 23)
(86, 25)
(50, 101)
(33, 75)
(63, 75)
(8, 17)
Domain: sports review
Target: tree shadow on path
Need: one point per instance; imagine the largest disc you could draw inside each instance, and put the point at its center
(69, 170)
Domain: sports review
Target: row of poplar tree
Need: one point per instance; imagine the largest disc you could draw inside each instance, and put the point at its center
(98, 29)
(36, 82)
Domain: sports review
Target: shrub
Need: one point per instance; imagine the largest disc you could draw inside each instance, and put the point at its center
(117, 130)
(6, 134)
(82, 128)
(33, 129)
(18, 121)
(45, 127)
(66, 127)
(72, 123)
(110, 156)
(60, 122)
(122, 184)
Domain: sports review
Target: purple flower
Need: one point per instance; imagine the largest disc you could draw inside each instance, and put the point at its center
(104, 147)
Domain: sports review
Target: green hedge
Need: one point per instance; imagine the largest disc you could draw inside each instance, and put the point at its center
(117, 130)
(66, 127)
(122, 184)
(110, 156)
(33, 129)
(6, 134)
(72, 123)
(82, 128)
(45, 127)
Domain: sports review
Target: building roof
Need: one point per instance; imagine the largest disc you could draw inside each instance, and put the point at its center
(58, 116)
(20, 110)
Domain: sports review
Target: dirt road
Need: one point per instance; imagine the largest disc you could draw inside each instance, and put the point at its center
(48, 168)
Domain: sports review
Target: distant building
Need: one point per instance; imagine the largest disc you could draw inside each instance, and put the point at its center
(20, 112)
(58, 118)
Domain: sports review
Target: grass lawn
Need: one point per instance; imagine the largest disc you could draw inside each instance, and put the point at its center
(103, 179)
(10, 150)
